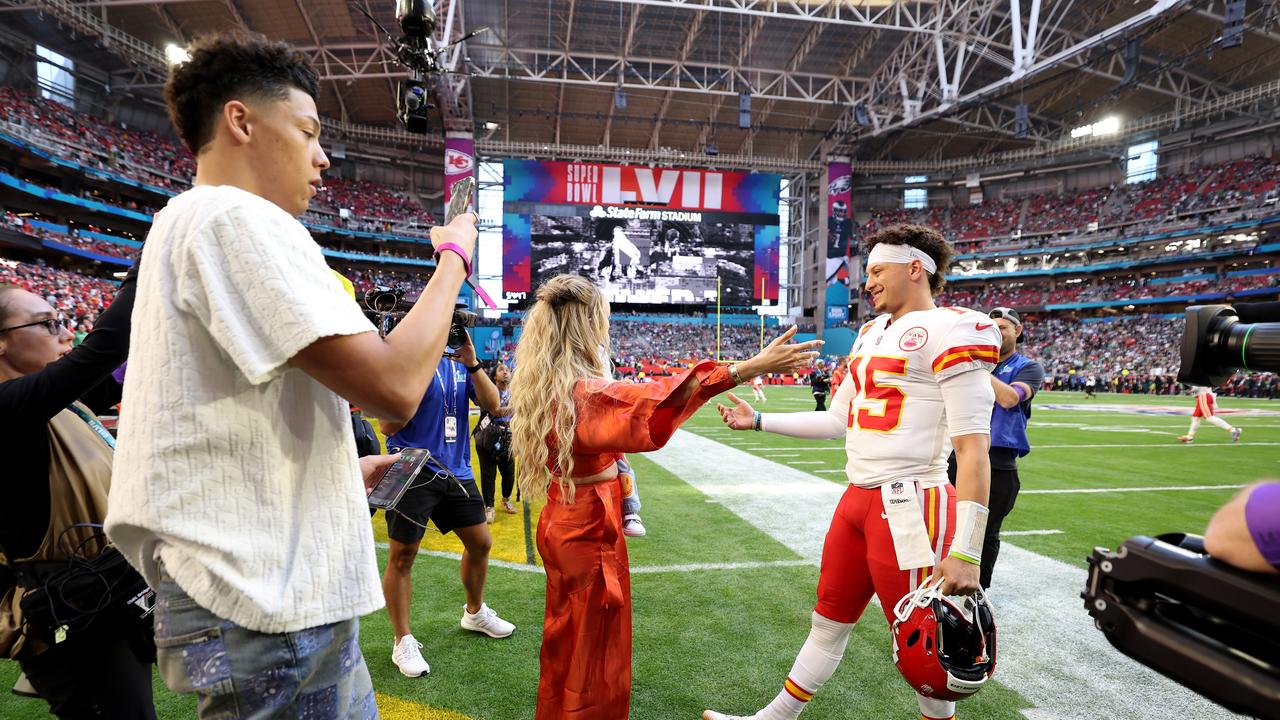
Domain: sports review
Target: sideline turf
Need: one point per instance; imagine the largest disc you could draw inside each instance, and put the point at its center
(726, 638)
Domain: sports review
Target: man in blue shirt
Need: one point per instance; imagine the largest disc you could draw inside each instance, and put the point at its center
(1015, 380)
(444, 492)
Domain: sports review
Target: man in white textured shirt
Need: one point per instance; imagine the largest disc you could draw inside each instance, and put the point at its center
(236, 489)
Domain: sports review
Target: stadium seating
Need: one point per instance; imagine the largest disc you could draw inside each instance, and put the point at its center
(79, 298)
(156, 160)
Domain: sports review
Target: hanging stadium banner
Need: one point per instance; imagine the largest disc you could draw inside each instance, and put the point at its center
(459, 161)
(839, 238)
(645, 235)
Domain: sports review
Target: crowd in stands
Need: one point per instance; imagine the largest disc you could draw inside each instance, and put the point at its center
(1241, 184)
(164, 162)
(138, 154)
(997, 294)
(72, 238)
(78, 298)
(371, 200)
(635, 342)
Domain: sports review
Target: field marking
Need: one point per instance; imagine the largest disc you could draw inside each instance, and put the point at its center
(635, 570)
(1011, 533)
(782, 455)
(1084, 491)
(1050, 652)
(808, 462)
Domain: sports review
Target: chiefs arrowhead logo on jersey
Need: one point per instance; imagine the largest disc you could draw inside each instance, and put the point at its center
(913, 339)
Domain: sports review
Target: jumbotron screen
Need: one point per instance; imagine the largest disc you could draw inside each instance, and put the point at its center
(643, 235)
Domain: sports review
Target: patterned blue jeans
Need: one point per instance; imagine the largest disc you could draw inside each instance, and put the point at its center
(236, 673)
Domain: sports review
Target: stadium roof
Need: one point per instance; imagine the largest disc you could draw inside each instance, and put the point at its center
(923, 81)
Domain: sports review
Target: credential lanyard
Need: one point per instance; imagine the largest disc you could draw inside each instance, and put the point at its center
(94, 424)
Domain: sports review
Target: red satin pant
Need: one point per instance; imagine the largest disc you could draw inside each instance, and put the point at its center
(586, 636)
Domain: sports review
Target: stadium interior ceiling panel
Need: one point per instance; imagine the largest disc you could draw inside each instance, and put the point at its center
(668, 74)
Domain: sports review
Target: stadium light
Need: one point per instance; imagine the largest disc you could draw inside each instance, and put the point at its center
(176, 55)
(1106, 126)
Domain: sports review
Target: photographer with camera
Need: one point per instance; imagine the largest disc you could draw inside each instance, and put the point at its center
(493, 445)
(444, 492)
(57, 473)
(236, 489)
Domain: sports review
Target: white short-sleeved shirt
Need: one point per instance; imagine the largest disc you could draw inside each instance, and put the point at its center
(892, 395)
(236, 470)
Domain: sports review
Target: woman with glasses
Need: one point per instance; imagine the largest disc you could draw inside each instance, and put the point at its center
(57, 473)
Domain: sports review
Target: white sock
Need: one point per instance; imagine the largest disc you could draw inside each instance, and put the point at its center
(1195, 425)
(1219, 422)
(936, 709)
(815, 663)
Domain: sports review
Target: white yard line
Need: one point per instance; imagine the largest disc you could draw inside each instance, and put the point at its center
(635, 570)
(1011, 533)
(1049, 650)
(1087, 491)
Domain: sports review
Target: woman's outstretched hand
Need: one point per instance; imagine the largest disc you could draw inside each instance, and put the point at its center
(781, 356)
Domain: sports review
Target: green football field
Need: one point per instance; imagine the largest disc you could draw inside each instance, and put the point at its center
(724, 583)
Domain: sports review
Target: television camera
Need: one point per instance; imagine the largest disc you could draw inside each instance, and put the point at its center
(1164, 601)
(415, 49)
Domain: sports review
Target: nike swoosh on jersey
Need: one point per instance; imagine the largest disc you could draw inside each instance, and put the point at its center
(980, 326)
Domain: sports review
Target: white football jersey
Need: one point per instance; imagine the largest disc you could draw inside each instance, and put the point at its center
(892, 397)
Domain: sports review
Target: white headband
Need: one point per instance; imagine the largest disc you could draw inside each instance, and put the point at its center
(884, 252)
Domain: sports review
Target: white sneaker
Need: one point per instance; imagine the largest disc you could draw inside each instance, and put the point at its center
(488, 515)
(713, 715)
(486, 621)
(632, 526)
(407, 655)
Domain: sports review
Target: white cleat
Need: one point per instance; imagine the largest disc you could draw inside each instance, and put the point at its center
(487, 622)
(407, 655)
(713, 715)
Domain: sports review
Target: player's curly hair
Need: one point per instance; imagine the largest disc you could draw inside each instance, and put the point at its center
(226, 66)
(917, 236)
(561, 344)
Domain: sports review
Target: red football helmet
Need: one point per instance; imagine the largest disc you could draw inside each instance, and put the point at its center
(945, 651)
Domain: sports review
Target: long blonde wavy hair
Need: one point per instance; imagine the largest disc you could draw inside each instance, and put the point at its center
(560, 344)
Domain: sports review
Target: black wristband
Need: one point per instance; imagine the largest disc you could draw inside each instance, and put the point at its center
(473, 368)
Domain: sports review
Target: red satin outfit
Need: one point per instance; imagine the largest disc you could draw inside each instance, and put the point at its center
(586, 636)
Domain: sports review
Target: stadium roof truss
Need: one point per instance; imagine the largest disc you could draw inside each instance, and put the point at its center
(891, 82)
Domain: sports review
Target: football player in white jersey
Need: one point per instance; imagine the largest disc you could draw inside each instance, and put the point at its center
(919, 383)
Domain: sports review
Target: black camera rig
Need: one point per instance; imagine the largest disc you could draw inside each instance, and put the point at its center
(1199, 621)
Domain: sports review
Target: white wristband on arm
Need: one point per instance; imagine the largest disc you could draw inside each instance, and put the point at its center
(971, 528)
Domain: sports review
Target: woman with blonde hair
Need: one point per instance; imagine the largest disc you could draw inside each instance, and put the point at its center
(570, 426)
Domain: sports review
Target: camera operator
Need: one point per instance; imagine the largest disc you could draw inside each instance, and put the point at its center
(236, 490)
(447, 496)
(493, 445)
(57, 473)
(1246, 531)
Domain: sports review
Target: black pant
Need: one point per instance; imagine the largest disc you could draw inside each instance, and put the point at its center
(821, 399)
(1004, 493)
(96, 675)
(489, 466)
